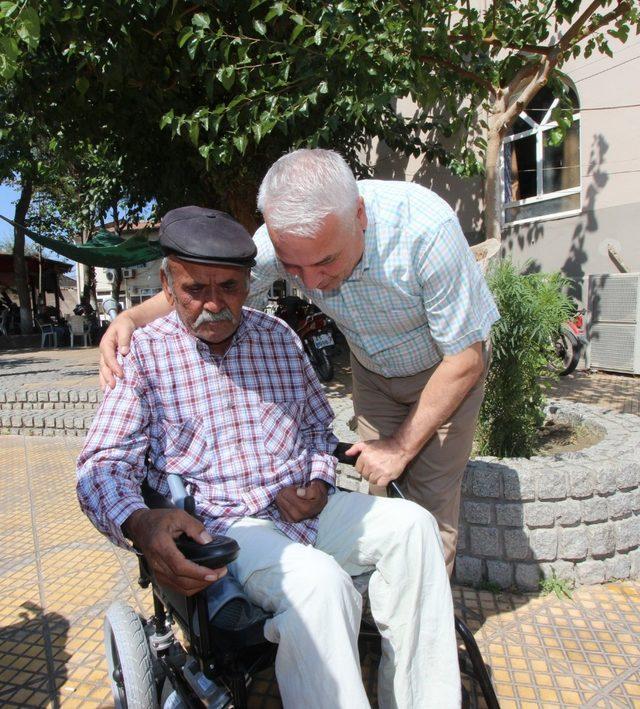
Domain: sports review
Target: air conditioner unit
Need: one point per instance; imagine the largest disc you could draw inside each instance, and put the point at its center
(614, 322)
(128, 272)
(110, 274)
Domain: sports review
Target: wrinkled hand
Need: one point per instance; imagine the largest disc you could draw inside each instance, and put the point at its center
(154, 531)
(298, 503)
(115, 339)
(380, 461)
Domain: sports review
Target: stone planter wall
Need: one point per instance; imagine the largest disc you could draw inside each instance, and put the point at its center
(577, 514)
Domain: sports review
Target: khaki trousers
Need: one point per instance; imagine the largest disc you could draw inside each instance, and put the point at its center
(434, 477)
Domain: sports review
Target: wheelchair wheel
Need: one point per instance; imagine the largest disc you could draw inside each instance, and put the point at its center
(129, 659)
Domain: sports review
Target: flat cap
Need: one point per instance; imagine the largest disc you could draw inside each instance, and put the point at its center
(206, 236)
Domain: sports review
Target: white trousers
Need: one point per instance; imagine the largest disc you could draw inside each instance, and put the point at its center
(317, 608)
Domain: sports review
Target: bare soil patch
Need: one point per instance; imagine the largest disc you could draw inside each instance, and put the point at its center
(563, 437)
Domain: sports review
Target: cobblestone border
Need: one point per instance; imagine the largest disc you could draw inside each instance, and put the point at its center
(574, 514)
(47, 413)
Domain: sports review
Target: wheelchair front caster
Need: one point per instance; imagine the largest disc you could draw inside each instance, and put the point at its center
(129, 659)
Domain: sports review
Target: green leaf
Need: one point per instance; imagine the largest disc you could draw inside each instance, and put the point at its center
(28, 27)
(82, 84)
(241, 142)
(226, 76)
(185, 34)
(194, 132)
(201, 20)
(7, 8)
(260, 27)
(295, 33)
(167, 119)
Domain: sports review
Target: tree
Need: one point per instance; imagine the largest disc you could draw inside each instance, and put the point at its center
(499, 59)
(200, 99)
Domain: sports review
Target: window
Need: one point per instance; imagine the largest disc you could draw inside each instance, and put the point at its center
(541, 179)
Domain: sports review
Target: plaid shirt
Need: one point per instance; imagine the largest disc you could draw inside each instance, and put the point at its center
(417, 293)
(236, 428)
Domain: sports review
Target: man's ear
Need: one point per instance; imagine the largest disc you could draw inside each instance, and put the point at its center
(362, 213)
(165, 287)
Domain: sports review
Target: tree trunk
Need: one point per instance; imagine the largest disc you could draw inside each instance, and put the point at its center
(19, 262)
(117, 283)
(492, 184)
(242, 205)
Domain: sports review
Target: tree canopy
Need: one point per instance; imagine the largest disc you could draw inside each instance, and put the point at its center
(198, 99)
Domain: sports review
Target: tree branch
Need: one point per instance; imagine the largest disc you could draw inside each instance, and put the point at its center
(493, 41)
(457, 69)
(539, 80)
(577, 32)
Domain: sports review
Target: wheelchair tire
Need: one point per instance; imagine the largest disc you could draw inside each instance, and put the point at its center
(129, 659)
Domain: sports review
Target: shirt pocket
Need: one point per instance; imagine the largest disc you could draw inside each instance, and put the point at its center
(185, 448)
(281, 423)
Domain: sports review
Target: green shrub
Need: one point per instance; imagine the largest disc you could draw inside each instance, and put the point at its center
(532, 309)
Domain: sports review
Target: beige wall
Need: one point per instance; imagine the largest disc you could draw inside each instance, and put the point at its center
(609, 94)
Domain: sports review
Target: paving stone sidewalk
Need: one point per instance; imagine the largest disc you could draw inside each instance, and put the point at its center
(58, 576)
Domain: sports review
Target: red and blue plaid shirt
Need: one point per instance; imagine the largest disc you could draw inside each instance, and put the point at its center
(236, 428)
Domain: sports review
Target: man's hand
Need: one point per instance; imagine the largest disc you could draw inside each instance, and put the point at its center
(298, 503)
(153, 532)
(115, 339)
(380, 461)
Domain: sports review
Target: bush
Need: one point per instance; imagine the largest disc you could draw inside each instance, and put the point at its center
(532, 309)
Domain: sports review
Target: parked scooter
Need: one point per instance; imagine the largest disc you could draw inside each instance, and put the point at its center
(314, 329)
(570, 342)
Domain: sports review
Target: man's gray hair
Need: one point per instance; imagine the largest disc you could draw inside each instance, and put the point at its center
(164, 267)
(303, 187)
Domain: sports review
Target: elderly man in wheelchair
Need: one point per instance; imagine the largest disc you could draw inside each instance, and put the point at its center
(220, 411)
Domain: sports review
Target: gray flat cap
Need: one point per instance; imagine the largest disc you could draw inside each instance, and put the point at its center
(206, 236)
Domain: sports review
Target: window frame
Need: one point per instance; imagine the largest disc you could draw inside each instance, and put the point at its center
(539, 130)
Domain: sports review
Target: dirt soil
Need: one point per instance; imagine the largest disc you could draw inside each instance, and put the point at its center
(559, 437)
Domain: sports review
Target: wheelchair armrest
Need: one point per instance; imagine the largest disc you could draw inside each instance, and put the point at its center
(218, 552)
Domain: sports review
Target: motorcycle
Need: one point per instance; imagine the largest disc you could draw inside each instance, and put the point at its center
(314, 329)
(570, 342)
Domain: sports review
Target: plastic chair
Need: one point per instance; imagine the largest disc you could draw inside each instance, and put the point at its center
(47, 331)
(78, 327)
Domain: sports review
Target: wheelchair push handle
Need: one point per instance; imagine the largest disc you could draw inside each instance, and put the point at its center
(341, 454)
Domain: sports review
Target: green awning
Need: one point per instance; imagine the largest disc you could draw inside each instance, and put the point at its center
(104, 249)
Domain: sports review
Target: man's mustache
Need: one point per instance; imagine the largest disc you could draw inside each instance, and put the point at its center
(208, 317)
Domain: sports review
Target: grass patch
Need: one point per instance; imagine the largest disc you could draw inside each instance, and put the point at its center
(490, 586)
(560, 587)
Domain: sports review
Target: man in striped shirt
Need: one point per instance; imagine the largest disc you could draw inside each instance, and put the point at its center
(224, 396)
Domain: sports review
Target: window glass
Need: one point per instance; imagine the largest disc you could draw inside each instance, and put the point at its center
(561, 163)
(535, 169)
(535, 210)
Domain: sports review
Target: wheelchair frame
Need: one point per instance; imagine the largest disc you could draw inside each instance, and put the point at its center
(215, 670)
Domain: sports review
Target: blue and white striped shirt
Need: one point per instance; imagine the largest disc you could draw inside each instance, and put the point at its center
(417, 293)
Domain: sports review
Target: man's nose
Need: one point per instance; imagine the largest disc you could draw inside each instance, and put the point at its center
(214, 302)
(311, 277)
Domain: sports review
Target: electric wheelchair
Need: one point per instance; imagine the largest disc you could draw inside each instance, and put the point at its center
(224, 645)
